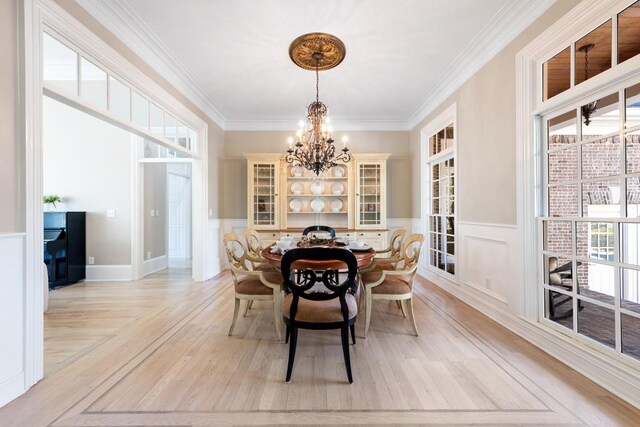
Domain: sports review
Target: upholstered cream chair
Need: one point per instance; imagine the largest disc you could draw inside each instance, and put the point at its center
(396, 284)
(394, 250)
(250, 284)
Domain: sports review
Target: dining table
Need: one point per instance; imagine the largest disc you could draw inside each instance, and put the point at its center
(363, 257)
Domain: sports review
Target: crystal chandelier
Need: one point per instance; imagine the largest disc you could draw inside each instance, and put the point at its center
(313, 146)
(588, 109)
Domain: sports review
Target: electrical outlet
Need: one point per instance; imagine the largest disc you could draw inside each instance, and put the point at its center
(111, 213)
(210, 211)
(487, 282)
(91, 260)
(157, 212)
(153, 213)
(149, 255)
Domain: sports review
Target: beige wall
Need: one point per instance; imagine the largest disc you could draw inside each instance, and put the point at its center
(155, 197)
(486, 133)
(234, 168)
(215, 136)
(11, 153)
(89, 166)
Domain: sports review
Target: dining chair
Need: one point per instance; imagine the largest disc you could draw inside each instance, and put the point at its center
(388, 262)
(254, 249)
(396, 284)
(249, 284)
(326, 228)
(318, 300)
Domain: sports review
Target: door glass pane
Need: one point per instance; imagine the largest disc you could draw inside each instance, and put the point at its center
(60, 65)
(140, 110)
(630, 284)
(629, 32)
(630, 338)
(369, 190)
(558, 237)
(556, 74)
(94, 83)
(597, 323)
(600, 117)
(593, 53)
(264, 199)
(563, 200)
(601, 199)
(183, 134)
(120, 102)
(601, 158)
(170, 131)
(562, 130)
(563, 165)
(559, 308)
(630, 240)
(632, 103)
(156, 119)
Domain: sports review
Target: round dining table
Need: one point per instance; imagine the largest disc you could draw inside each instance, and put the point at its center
(363, 258)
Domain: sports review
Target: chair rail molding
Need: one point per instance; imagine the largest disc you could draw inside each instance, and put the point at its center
(614, 375)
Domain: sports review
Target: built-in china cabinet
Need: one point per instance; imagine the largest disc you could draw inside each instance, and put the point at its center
(283, 199)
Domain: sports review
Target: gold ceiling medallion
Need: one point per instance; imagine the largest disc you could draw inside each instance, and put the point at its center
(320, 50)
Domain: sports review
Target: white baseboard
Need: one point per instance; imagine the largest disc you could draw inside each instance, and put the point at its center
(11, 388)
(109, 273)
(155, 264)
(619, 379)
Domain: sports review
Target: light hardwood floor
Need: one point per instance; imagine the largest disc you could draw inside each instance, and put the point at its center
(156, 352)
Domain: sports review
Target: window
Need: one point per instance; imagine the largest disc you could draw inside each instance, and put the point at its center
(442, 203)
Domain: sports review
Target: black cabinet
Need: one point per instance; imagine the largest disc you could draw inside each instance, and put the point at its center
(65, 247)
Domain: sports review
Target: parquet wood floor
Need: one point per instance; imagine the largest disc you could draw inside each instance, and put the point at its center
(156, 352)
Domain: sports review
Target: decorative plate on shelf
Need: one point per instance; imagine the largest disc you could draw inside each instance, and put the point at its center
(297, 171)
(295, 205)
(297, 188)
(317, 188)
(317, 205)
(338, 171)
(337, 188)
(336, 205)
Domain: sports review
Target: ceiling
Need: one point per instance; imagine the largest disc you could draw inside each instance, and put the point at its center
(399, 53)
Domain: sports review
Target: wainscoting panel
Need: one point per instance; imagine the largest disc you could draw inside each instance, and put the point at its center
(12, 322)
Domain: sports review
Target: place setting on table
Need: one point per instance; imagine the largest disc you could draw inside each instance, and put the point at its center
(363, 252)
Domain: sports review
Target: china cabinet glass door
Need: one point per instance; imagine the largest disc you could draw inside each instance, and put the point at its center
(265, 193)
(369, 195)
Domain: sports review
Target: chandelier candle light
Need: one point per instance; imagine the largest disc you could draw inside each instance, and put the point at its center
(314, 145)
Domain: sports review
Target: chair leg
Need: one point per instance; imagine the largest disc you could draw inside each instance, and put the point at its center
(345, 351)
(292, 352)
(276, 315)
(286, 334)
(368, 308)
(251, 304)
(353, 333)
(236, 308)
(401, 307)
(246, 308)
(412, 316)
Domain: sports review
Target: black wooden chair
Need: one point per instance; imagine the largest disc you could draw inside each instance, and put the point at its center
(317, 300)
(325, 228)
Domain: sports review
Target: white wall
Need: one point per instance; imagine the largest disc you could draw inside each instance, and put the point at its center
(88, 163)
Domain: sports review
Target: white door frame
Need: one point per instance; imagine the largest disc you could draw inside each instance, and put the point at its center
(39, 15)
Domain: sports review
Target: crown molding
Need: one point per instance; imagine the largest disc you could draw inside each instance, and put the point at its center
(505, 26)
(118, 17)
(289, 123)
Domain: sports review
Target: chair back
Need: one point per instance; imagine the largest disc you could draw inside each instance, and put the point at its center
(254, 244)
(304, 285)
(397, 239)
(326, 228)
(236, 253)
(411, 255)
